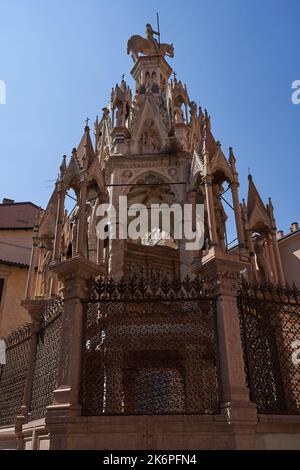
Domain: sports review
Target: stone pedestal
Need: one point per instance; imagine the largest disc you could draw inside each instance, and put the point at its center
(34, 308)
(119, 135)
(74, 275)
(222, 276)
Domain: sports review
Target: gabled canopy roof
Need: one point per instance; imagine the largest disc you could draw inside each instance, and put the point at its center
(258, 215)
(85, 148)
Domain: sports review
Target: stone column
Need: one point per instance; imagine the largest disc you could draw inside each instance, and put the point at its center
(252, 255)
(116, 258)
(193, 201)
(236, 204)
(277, 258)
(238, 216)
(100, 251)
(211, 210)
(223, 276)
(272, 261)
(82, 225)
(33, 259)
(74, 274)
(61, 193)
(116, 244)
(38, 283)
(34, 308)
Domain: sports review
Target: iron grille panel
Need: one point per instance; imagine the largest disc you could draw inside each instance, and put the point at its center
(270, 323)
(150, 357)
(46, 363)
(13, 374)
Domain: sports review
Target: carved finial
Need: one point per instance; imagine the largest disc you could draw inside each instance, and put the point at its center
(270, 209)
(193, 108)
(87, 122)
(63, 166)
(270, 204)
(232, 158)
(105, 112)
(207, 119)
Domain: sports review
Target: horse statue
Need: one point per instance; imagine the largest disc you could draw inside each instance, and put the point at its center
(145, 46)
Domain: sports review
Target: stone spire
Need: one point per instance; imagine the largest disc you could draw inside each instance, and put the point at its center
(254, 198)
(85, 149)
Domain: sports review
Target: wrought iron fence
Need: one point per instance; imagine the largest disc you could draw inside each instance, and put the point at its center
(270, 327)
(13, 374)
(149, 348)
(46, 361)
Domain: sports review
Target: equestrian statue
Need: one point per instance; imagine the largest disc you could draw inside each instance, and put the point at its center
(148, 46)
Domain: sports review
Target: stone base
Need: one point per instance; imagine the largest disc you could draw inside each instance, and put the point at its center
(158, 433)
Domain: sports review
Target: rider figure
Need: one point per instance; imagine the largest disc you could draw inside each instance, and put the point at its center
(149, 35)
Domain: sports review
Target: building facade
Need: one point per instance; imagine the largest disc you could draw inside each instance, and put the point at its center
(147, 344)
(289, 247)
(17, 222)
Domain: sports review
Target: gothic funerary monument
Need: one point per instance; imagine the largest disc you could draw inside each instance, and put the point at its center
(139, 345)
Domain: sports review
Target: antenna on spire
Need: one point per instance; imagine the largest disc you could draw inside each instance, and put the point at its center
(158, 30)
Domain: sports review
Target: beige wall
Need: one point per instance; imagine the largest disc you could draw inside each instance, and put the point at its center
(12, 314)
(15, 245)
(290, 256)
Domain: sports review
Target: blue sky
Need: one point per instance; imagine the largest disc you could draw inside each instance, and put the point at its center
(60, 59)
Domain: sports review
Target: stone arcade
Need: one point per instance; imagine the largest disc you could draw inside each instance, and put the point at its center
(153, 347)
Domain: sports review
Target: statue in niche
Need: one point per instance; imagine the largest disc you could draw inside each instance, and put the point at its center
(261, 259)
(91, 210)
(74, 228)
(46, 276)
(119, 116)
(150, 140)
(220, 214)
(178, 115)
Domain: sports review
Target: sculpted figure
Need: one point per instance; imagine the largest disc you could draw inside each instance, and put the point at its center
(150, 36)
(46, 273)
(178, 115)
(221, 216)
(119, 116)
(148, 45)
(74, 226)
(261, 258)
